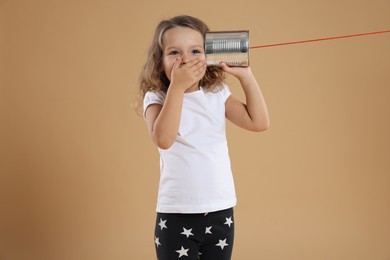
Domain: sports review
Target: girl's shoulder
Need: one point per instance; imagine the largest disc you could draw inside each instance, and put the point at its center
(221, 89)
(154, 96)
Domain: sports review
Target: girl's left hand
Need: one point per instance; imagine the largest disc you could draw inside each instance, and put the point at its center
(238, 72)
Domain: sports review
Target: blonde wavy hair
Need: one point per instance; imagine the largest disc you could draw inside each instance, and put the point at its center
(152, 78)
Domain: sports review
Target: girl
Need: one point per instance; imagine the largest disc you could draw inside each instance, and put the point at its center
(185, 105)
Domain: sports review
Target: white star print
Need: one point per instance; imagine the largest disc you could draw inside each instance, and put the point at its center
(222, 243)
(187, 232)
(200, 253)
(208, 230)
(229, 221)
(157, 241)
(206, 213)
(182, 252)
(162, 224)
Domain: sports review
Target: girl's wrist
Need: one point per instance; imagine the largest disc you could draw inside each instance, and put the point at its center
(173, 88)
(246, 76)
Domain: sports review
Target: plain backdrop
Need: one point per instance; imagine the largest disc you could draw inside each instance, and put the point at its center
(79, 173)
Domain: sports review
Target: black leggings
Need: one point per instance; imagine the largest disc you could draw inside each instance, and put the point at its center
(206, 236)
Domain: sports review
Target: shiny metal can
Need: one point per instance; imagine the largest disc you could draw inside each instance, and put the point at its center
(231, 47)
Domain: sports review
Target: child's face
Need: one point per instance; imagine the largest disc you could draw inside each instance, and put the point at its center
(181, 42)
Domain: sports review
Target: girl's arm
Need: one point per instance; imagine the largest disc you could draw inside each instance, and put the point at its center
(253, 115)
(163, 121)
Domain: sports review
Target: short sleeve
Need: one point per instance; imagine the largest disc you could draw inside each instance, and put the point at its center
(225, 92)
(153, 98)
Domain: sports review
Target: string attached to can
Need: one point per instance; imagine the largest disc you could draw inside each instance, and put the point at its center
(319, 39)
(232, 47)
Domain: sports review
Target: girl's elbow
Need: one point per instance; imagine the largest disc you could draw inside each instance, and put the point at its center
(262, 126)
(164, 143)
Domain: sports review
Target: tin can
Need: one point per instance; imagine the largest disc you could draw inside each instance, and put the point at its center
(230, 47)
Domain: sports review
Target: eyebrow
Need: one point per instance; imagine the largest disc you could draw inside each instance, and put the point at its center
(192, 46)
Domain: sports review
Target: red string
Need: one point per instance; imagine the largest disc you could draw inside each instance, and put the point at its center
(318, 39)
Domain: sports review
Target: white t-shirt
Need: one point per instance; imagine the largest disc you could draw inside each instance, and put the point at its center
(195, 172)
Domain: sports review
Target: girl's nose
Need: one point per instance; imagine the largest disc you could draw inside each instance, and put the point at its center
(184, 59)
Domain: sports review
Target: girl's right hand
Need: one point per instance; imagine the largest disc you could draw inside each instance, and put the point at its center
(186, 75)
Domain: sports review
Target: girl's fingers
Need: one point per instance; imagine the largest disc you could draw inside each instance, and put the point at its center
(194, 69)
(196, 63)
(225, 67)
(200, 66)
(196, 66)
(177, 63)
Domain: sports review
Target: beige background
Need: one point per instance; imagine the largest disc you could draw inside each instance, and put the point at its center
(79, 174)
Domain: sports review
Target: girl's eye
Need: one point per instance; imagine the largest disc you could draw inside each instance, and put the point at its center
(174, 53)
(196, 52)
